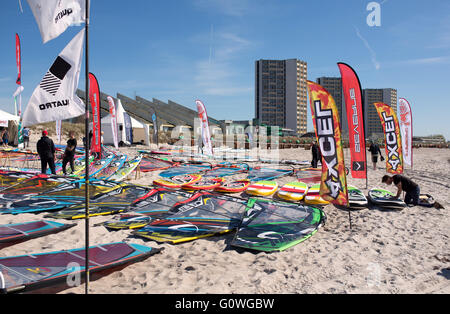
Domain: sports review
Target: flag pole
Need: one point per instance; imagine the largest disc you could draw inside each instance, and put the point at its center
(86, 149)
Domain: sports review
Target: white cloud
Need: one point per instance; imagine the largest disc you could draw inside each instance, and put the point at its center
(236, 8)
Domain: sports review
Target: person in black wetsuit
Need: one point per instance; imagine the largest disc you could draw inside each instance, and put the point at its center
(374, 149)
(316, 155)
(69, 154)
(46, 150)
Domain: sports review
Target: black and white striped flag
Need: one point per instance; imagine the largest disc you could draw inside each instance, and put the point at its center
(55, 97)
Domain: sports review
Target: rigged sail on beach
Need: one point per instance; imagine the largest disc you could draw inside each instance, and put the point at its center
(325, 117)
(391, 128)
(114, 129)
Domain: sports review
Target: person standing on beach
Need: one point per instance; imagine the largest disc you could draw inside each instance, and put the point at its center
(46, 150)
(69, 154)
(374, 149)
(316, 155)
(26, 137)
(5, 137)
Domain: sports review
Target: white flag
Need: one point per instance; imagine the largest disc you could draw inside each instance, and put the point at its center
(55, 97)
(406, 130)
(206, 135)
(54, 16)
(112, 112)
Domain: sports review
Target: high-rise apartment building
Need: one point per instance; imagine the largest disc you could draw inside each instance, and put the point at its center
(281, 94)
(334, 86)
(388, 96)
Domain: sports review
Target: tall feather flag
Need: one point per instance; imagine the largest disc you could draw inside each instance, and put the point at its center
(94, 99)
(391, 128)
(113, 115)
(206, 135)
(325, 117)
(353, 101)
(55, 16)
(55, 97)
(58, 130)
(406, 129)
(18, 61)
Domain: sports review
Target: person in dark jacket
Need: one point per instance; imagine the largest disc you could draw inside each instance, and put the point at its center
(46, 150)
(69, 153)
(316, 155)
(374, 149)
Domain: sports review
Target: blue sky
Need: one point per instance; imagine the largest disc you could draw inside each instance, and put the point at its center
(185, 50)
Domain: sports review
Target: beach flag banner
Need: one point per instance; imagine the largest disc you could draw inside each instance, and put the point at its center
(55, 97)
(353, 101)
(18, 61)
(112, 112)
(55, 16)
(128, 127)
(389, 121)
(58, 130)
(325, 116)
(155, 126)
(94, 99)
(406, 130)
(206, 135)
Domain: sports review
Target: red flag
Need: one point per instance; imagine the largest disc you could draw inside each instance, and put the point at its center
(18, 61)
(325, 118)
(394, 160)
(353, 100)
(94, 98)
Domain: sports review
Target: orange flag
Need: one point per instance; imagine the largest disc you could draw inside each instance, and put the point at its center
(325, 117)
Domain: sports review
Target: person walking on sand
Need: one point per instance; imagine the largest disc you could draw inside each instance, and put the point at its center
(5, 137)
(69, 153)
(316, 155)
(412, 196)
(46, 150)
(374, 149)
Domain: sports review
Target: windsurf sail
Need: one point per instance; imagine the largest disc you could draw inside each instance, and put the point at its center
(265, 174)
(309, 175)
(203, 215)
(127, 168)
(34, 271)
(206, 135)
(107, 172)
(108, 203)
(11, 178)
(59, 197)
(149, 164)
(153, 205)
(276, 226)
(13, 233)
(392, 138)
(184, 170)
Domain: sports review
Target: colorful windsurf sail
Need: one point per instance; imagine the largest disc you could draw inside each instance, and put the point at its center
(392, 138)
(34, 271)
(108, 203)
(17, 232)
(94, 99)
(328, 132)
(265, 174)
(406, 130)
(149, 164)
(353, 100)
(203, 215)
(153, 205)
(185, 170)
(276, 226)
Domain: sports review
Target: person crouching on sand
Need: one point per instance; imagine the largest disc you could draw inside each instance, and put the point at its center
(412, 196)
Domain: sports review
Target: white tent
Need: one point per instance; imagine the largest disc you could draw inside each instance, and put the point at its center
(5, 117)
(140, 130)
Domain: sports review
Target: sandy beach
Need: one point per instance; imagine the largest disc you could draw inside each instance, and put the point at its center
(384, 252)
